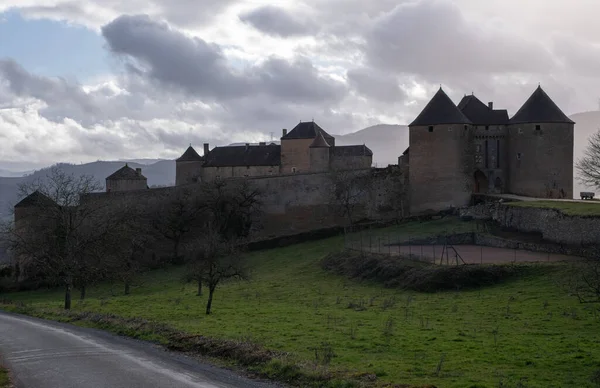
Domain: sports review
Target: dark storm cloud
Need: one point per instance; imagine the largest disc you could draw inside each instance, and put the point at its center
(378, 86)
(201, 69)
(277, 21)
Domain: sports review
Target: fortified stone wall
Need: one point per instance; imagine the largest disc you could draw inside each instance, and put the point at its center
(211, 173)
(300, 203)
(554, 226)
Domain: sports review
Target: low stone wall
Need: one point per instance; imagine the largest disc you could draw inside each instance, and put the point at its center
(554, 226)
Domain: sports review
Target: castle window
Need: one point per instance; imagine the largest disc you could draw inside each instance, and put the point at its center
(519, 155)
(449, 129)
(431, 128)
(487, 127)
(520, 131)
(478, 148)
(247, 167)
(294, 170)
(466, 127)
(538, 127)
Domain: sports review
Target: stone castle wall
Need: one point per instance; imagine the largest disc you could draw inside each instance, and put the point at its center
(298, 203)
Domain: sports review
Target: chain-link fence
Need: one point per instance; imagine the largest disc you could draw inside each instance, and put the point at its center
(447, 247)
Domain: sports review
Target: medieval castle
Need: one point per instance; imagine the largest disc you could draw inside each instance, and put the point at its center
(454, 151)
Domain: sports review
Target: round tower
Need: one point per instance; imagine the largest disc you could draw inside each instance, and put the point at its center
(188, 168)
(320, 154)
(441, 159)
(541, 141)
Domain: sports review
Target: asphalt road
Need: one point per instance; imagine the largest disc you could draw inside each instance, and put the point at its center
(44, 354)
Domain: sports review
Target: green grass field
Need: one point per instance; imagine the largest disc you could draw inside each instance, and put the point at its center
(590, 208)
(524, 333)
(4, 381)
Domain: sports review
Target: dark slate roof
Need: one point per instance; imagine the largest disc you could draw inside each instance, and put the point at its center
(307, 130)
(440, 110)
(36, 199)
(190, 155)
(125, 173)
(319, 142)
(540, 108)
(352, 150)
(265, 155)
(481, 114)
(406, 152)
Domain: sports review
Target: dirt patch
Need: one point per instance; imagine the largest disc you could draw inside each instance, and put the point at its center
(409, 273)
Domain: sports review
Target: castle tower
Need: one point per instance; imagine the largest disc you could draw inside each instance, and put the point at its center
(126, 179)
(320, 152)
(441, 161)
(188, 168)
(295, 146)
(541, 141)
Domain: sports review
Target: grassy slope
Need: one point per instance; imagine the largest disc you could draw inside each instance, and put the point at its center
(591, 208)
(524, 331)
(4, 381)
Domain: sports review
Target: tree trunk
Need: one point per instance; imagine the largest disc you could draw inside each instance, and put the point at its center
(82, 293)
(211, 291)
(68, 297)
(199, 288)
(127, 288)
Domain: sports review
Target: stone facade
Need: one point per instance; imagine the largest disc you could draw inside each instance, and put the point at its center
(126, 179)
(307, 148)
(457, 151)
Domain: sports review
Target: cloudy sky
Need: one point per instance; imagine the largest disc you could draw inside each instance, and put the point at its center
(82, 80)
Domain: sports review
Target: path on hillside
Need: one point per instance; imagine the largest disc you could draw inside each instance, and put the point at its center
(44, 354)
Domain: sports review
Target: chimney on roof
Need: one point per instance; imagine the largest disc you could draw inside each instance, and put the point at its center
(206, 150)
(262, 144)
(247, 146)
(491, 105)
(138, 171)
(284, 132)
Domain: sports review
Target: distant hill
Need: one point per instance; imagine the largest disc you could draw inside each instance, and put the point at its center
(387, 141)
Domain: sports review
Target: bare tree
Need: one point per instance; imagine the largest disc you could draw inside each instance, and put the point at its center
(60, 236)
(348, 191)
(589, 165)
(584, 281)
(230, 212)
(175, 215)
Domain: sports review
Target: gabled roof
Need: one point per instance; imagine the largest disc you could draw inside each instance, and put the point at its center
(319, 142)
(236, 156)
(307, 130)
(36, 199)
(125, 173)
(352, 150)
(190, 155)
(540, 108)
(481, 114)
(440, 110)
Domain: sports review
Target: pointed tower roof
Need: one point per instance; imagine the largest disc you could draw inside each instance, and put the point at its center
(307, 130)
(440, 110)
(320, 142)
(190, 155)
(540, 108)
(36, 199)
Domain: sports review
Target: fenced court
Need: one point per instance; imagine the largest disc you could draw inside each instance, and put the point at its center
(440, 247)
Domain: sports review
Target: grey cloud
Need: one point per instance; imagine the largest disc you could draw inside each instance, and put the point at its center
(201, 69)
(433, 39)
(376, 85)
(277, 21)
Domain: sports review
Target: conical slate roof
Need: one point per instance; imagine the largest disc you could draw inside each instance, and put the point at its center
(190, 155)
(440, 110)
(319, 142)
(36, 199)
(540, 108)
(481, 114)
